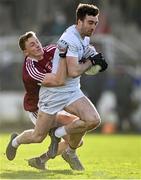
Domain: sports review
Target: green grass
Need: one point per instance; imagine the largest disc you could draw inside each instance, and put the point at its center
(104, 157)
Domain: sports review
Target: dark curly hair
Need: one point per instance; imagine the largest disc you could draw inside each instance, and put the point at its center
(86, 9)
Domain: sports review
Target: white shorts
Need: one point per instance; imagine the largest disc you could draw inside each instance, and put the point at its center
(53, 102)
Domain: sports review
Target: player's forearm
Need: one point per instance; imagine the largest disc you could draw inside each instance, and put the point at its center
(78, 69)
(61, 73)
(58, 79)
(51, 80)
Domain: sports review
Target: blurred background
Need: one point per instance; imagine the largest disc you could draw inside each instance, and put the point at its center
(116, 93)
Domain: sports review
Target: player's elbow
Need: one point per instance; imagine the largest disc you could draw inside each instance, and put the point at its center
(59, 83)
(54, 83)
(46, 84)
(73, 74)
(53, 80)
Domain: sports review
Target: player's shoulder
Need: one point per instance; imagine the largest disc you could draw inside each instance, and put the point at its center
(50, 47)
(30, 60)
(32, 70)
(30, 63)
(72, 37)
(69, 35)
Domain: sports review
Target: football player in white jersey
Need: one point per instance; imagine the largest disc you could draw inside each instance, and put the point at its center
(69, 97)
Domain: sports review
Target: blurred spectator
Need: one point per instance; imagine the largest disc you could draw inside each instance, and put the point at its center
(107, 108)
(47, 23)
(68, 8)
(53, 24)
(103, 26)
(136, 115)
(93, 86)
(59, 24)
(7, 25)
(125, 104)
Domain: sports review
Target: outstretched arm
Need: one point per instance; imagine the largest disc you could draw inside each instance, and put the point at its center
(58, 78)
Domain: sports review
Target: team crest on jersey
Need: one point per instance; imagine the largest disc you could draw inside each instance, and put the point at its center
(48, 65)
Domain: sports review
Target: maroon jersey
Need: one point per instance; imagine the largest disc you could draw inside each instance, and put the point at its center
(33, 74)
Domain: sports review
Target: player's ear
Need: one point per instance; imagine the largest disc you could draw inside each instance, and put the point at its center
(25, 52)
(79, 22)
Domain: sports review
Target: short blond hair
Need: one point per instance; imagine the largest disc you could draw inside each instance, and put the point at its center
(23, 38)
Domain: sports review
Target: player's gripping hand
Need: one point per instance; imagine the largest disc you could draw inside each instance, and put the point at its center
(89, 51)
(98, 59)
(62, 47)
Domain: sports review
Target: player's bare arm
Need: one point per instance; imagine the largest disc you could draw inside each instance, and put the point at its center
(76, 69)
(58, 79)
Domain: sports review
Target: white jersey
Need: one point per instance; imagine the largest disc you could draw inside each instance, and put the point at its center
(76, 48)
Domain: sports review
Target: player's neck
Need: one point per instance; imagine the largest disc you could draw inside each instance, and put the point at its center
(79, 31)
(38, 58)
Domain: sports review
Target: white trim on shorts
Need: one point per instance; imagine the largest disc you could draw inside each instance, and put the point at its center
(33, 116)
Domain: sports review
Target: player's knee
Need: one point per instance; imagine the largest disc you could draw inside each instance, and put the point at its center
(93, 123)
(77, 124)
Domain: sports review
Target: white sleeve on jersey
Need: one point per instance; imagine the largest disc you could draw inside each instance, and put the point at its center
(76, 44)
(72, 45)
(56, 60)
(72, 50)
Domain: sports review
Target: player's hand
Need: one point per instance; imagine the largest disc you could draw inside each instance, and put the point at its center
(89, 51)
(98, 59)
(62, 47)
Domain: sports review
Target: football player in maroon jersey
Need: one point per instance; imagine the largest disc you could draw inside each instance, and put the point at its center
(36, 72)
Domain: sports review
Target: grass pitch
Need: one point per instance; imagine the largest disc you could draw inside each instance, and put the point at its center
(103, 156)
